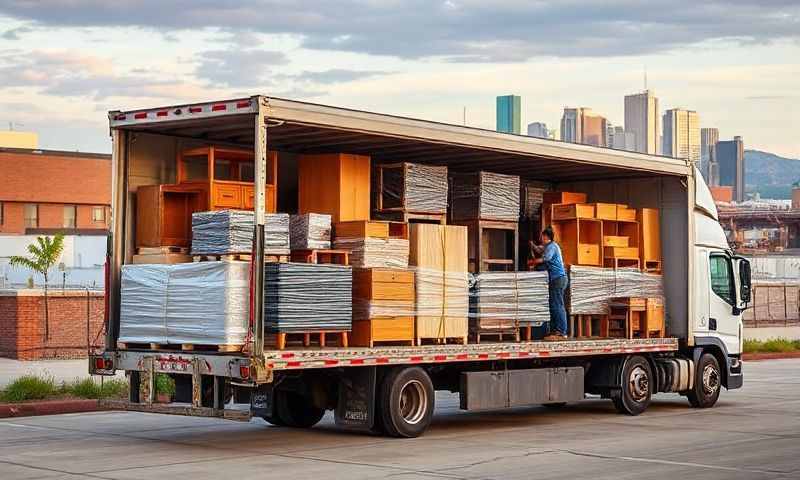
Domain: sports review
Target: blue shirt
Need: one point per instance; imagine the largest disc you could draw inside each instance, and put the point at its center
(553, 261)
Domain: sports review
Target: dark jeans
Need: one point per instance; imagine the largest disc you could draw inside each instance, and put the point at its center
(558, 313)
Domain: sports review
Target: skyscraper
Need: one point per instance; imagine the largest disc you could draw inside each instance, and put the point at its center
(581, 125)
(708, 138)
(538, 129)
(508, 113)
(622, 140)
(682, 134)
(730, 160)
(641, 119)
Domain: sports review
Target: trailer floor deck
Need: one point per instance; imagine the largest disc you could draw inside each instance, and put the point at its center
(345, 357)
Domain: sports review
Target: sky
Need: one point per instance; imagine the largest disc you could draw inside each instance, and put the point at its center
(65, 63)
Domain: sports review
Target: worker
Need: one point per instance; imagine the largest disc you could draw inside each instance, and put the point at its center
(557, 281)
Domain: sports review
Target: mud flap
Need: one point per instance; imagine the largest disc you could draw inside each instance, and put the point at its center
(262, 401)
(355, 409)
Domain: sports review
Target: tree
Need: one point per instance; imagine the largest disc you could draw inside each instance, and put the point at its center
(43, 256)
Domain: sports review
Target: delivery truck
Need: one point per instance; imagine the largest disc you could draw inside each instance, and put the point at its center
(390, 389)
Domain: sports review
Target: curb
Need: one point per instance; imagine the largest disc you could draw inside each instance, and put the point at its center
(769, 356)
(49, 407)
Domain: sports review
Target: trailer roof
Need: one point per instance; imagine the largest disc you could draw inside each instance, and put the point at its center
(302, 127)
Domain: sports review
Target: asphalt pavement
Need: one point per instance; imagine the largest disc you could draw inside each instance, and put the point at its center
(752, 433)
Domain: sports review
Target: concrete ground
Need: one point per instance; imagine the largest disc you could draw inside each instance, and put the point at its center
(58, 370)
(753, 433)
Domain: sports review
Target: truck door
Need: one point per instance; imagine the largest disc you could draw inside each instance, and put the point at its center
(724, 317)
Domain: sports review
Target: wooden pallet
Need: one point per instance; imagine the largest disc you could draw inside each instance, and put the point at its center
(307, 339)
(442, 341)
(161, 250)
(498, 335)
(239, 257)
(585, 326)
(321, 255)
(183, 347)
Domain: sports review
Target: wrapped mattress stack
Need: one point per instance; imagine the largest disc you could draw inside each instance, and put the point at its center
(485, 196)
(591, 288)
(307, 297)
(204, 303)
(414, 188)
(310, 231)
(223, 232)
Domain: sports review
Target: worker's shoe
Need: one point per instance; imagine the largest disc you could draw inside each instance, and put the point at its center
(555, 337)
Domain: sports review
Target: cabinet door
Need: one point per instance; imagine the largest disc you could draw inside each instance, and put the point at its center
(227, 196)
(249, 197)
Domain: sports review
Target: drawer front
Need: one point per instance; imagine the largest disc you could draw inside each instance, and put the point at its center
(615, 241)
(394, 276)
(589, 254)
(621, 252)
(625, 214)
(567, 212)
(605, 211)
(228, 196)
(393, 328)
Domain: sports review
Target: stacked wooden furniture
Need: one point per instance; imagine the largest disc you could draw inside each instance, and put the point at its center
(208, 178)
(620, 235)
(558, 198)
(488, 205)
(336, 184)
(410, 192)
(635, 318)
(649, 239)
(578, 232)
(373, 243)
(383, 307)
(439, 255)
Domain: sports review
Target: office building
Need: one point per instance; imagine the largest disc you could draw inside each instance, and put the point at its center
(538, 129)
(581, 125)
(508, 113)
(729, 156)
(641, 119)
(708, 138)
(621, 140)
(682, 134)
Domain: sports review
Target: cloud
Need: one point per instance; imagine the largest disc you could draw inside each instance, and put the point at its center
(14, 33)
(457, 30)
(239, 68)
(338, 75)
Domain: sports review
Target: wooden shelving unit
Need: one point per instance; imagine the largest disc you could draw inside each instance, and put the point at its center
(492, 245)
(580, 240)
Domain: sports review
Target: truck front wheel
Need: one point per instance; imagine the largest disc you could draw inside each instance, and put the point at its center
(633, 396)
(707, 383)
(406, 402)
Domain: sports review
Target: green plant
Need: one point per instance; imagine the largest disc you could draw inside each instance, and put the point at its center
(43, 256)
(165, 384)
(89, 388)
(29, 387)
(774, 345)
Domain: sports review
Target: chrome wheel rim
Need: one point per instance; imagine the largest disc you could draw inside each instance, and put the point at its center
(638, 384)
(711, 380)
(413, 402)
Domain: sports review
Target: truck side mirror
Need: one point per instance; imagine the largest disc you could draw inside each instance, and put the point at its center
(744, 280)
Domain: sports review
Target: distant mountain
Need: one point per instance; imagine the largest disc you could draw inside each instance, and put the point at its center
(770, 175)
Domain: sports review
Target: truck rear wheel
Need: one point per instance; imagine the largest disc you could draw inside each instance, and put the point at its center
(707, 383)
(296, 410)
(406, 402)
(633, 396)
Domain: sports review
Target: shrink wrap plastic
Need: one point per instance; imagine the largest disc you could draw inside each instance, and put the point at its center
(224, 232)
(372, 252)
(415, 188)
(592, 288)
(310, 231)
(307, 297)
(204, 303)
(519, 296)
(485, 196)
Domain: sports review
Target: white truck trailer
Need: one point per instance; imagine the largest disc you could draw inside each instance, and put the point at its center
(391, 389)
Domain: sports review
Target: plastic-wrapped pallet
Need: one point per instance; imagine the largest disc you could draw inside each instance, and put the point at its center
(203, 303)
(485, 196)
(307, 297)
(310, 231)
(369, 252)
(412, 187)
(591, 288)
(224, 232)
(533, 298)
(519, 296)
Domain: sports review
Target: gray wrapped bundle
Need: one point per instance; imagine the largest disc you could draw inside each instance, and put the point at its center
(591, 288)
(204, 303)
(485, 196)
(372, 252)
(307, 297)
(223, 232)
(519, 296)
(533, 298)
(310, 231)
(412, 187)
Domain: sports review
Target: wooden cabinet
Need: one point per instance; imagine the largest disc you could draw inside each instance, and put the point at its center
(337, 184)
(580, 240)
(383, 306)
(650, 239)
(164, 214)
(571, 211)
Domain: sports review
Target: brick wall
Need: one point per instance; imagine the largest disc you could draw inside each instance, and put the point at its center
(22, 324)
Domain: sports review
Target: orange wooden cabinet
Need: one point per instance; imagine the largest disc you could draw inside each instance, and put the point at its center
(383, 307)
(581, 241)
(605, 211)
(650, 239)
(570, 211)
(564, 197)
(228, 175)
(164, 214)
(337, 184)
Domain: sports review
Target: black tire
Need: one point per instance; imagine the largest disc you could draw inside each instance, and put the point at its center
(633, 396)
(406, 402)
(296, 410)
(707, 383)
